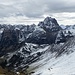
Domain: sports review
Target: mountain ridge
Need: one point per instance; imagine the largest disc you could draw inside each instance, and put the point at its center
(21, 46)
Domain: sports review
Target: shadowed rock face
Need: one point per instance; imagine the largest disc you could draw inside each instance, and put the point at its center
(8, 42)
(9, 37)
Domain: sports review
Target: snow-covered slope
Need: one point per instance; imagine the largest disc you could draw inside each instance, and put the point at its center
(64, 65)
(50, 64)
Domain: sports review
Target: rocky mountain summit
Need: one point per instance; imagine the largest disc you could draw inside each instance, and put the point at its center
(45, 32)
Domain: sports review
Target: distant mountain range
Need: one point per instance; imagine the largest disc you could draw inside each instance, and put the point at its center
(22, 45)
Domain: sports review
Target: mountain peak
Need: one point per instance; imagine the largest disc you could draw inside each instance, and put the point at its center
(50, 24)
(50, 19)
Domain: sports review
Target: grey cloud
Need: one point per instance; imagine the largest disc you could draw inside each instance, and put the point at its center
(35, 8)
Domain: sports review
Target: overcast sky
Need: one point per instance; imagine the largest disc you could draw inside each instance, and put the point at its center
(33, 11)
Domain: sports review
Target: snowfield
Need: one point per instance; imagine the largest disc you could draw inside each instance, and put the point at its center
(50, 65)
(64, 65)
